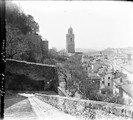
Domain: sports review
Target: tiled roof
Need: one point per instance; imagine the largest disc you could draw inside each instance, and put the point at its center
(128, 88)
(119, 74)
(129, 68)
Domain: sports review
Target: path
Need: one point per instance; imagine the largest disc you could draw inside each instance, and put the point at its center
(34, 109)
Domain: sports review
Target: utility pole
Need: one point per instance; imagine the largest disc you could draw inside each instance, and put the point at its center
(2, 55)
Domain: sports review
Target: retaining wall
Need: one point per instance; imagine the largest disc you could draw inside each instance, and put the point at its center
(30, 75)
(88, 108)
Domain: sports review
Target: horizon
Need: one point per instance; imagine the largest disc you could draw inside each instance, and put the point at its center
(97, 25)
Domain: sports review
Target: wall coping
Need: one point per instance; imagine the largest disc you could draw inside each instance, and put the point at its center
(46, 65)
(125, 107)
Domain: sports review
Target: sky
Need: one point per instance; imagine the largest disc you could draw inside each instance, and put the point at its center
(96, 24)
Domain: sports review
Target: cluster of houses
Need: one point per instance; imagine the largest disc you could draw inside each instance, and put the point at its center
(114, 75)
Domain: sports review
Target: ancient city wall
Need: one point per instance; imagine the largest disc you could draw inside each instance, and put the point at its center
(87, 108)
(28, 73)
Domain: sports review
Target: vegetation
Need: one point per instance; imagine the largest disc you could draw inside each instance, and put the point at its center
(77, 80)
(23, 40)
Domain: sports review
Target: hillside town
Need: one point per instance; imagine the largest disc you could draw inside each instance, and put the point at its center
(113, 72)
(74, 83)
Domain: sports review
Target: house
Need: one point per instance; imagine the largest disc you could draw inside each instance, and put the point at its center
(125, 91)
(128, 69)
(120, 77)
(122, 87)
(106, 81)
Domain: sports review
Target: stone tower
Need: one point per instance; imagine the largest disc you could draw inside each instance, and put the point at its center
(70, 44)
(45, 47)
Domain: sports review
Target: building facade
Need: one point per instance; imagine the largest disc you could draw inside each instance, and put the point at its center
(70, 44)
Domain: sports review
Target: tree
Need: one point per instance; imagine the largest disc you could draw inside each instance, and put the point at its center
(35, 51)
(72, 67)
(23, 42)
(15, 44)
(32, 24)
(53, 54)
(16, 18)
(49, 61)
(108, 97)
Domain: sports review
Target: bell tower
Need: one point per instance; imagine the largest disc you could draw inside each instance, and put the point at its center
(70, 44)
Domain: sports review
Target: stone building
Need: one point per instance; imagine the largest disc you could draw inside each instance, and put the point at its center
(45, 47)
(70, 44)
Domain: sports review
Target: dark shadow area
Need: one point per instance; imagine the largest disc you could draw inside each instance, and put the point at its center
(22, 82)
(12, 98)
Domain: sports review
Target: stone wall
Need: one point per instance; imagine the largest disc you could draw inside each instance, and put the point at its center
(29, 73)
(87, 108)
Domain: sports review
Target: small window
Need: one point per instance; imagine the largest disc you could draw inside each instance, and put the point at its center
(71, 39)
(108, 84)
(121, 80)
(103, 82)
(103, 77)
(108, 77)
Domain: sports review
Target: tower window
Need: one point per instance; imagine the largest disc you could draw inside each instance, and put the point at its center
(108, 77)
(103, 82)
(71, 39)
(108, 84)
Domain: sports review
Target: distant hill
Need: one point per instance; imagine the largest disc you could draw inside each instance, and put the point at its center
(84, 50)
(109, 51)
(114, 51)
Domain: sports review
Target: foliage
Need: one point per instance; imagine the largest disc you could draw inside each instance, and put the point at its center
(53, 54)
(32, 24)
(49, 61)
(108, 97)
(35, 51)
(23, 42)
(90, 88)
(114, 99)
(73, 72)
(15, 17)
(107, 91)
(15, 44)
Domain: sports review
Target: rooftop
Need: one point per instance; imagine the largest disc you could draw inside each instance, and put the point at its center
(119, 74)
(128, 67)
(128, 88)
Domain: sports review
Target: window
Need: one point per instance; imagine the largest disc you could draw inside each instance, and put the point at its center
(71, 39)
(108, 84)
(108, 77)
(121, 80)
(103, 82)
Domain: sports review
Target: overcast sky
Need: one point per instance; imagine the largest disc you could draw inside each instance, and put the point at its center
(96, 24)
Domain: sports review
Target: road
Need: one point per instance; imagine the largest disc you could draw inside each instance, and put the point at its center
(34, 109)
